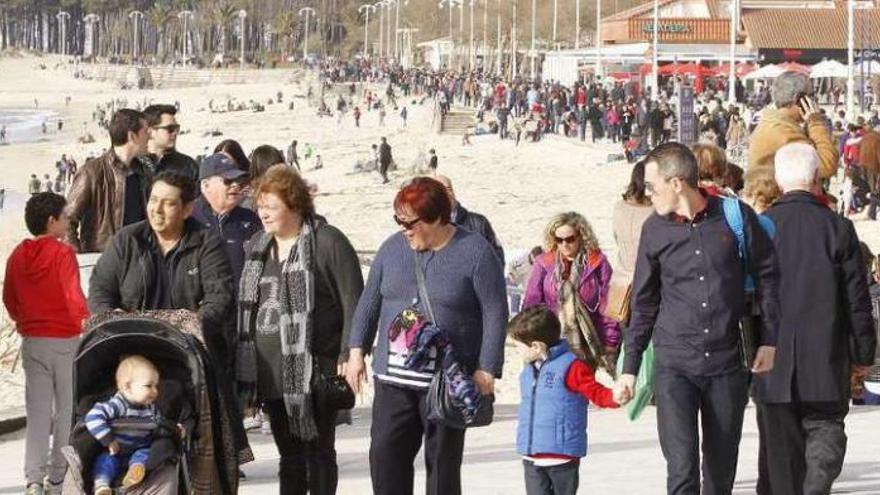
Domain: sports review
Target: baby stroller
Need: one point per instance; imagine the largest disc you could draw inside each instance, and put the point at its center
(204, 460)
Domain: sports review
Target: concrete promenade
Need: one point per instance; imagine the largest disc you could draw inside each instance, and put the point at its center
(624, 457)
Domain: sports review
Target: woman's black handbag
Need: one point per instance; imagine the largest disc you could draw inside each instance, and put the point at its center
(332, 393)
(440, 410)
(439, 406)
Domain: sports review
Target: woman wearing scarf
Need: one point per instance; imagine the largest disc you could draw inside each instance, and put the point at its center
(572, 279)
(298, 291)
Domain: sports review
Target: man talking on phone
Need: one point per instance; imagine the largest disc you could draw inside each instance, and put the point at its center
(796, 119)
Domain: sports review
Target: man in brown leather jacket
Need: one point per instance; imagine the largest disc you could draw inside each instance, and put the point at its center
(109, 191)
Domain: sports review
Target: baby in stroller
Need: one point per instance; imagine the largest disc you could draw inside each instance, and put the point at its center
(127, 442)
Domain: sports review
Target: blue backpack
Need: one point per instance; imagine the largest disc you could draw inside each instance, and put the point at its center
(734, 217)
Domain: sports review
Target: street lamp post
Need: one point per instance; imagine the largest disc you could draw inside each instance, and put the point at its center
(242, 15)
(850, 52)
(460, 32)
(731, 75)
(598, 39)
(397, 31)
(577, 24)
(365, 9)
(91, 39)
(183, 15)
(380, 5)
(513, 44)
(62, 17)
(555, 16)
(533, 49)
(451, 5)
(306, 11)
(498, 52)
(655, 91)
(135, 16)
(485, 34)
(388, 47)
(472, 58)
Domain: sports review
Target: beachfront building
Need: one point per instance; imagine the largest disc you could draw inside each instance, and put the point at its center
(696, 33)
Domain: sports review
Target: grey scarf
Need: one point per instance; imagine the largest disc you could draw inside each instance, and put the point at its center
(297, 295)
(578, 328)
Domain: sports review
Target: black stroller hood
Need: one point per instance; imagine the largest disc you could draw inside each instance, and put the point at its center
(174, 353)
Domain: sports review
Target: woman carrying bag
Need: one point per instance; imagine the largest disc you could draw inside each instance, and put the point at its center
(298, 291)
(572, 278)
(465, 288)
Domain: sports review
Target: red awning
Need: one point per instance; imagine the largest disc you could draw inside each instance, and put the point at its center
(740, 69)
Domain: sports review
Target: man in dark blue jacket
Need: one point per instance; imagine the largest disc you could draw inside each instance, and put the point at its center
(218, 211)
(471, 220)
(688, 298)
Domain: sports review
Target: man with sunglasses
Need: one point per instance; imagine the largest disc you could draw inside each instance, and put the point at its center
(218, 210)
(688, 299)
(164, 130)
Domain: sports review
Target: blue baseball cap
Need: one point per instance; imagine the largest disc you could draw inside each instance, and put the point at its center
(222, 165)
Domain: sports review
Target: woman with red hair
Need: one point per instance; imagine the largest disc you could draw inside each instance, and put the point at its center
(465, 285)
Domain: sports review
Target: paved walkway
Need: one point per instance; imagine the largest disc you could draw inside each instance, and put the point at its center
(624, 457)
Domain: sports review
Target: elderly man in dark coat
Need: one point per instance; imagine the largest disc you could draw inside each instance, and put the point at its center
(826, 331)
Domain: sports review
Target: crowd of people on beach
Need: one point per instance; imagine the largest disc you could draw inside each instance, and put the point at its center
(731, 281)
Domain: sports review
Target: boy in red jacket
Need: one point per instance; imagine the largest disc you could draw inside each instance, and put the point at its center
(43, 297)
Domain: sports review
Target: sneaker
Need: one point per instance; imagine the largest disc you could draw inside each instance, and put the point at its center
(103, 490)
(252, 422)
(134, 476)
(34, 489)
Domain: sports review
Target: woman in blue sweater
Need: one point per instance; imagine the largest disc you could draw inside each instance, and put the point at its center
(465, 284)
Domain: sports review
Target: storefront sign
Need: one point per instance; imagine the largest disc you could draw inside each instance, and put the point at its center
(667, 28)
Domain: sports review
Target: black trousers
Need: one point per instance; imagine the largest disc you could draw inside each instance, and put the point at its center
(552, 480)
(305, 467)
(720, 401)
(383, 170)
(396, 436)
(805, 445)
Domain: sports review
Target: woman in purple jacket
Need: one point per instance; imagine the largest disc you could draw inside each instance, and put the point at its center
(572, 279)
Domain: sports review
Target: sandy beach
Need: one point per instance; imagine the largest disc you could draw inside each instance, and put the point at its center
(517, 188)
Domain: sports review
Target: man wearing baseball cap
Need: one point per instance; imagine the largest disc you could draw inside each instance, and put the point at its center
(218, 210)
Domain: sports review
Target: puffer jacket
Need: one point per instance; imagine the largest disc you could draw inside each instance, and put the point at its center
(96, 201)
(776, 129)
(542, 288)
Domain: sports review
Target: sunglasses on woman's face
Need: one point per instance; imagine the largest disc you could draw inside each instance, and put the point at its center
(407, 224)
(565, 240)
(171, 128)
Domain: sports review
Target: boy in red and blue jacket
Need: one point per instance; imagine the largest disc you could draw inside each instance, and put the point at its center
(556, 389)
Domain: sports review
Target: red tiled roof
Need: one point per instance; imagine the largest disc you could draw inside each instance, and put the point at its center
(808, 29)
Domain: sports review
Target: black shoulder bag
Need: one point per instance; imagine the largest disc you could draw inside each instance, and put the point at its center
(440, 409)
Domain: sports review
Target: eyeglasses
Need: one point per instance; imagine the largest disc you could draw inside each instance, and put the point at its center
(407, 225)
(237, 182)
(565, 240)
(171, 128)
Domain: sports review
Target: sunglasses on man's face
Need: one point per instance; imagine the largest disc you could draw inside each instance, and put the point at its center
(407, 224)
(237, 182)
(565, 240)
(171, 128)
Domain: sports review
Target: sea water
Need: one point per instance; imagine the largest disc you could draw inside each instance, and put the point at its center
(23, 125)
